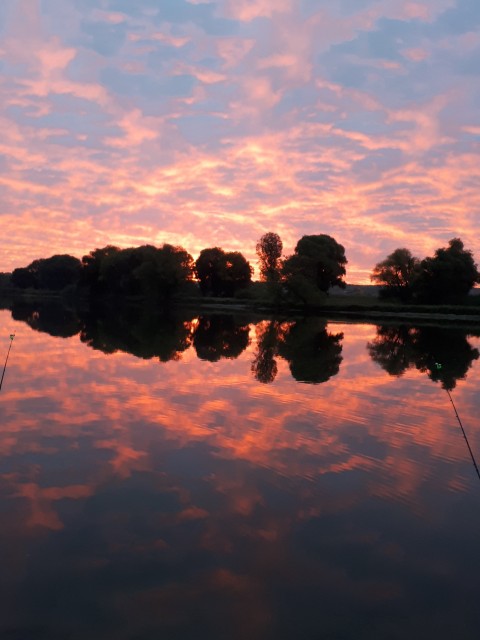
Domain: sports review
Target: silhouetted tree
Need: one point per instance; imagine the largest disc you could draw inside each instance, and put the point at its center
(54, 273)
(5, 280)
(238, 273)
(165, 272)
(317, 264)
(220, 336)
(23, 278)
(147, 270)
(92, 265)
(58, 272)
(208, 269)
(396, 274)
(448, 276)
(220, 273)
(313, 354)
(269, 250)
(117, 273)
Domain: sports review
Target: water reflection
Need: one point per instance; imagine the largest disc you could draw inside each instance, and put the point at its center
(12, 336)
(445, 355)
(264, 366)
(220, 336)
(462, 428)
(50, 316)
(142, 331)
(185, 500)
(313, 353)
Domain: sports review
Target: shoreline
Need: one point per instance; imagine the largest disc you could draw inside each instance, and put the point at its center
(337, 307)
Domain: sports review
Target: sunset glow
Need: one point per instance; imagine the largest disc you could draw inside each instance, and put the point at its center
(203, 123)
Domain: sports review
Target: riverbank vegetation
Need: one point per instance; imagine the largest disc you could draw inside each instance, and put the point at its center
(304, 280)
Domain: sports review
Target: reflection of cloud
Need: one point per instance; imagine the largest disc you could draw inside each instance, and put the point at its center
(186, 481)
(294, 419)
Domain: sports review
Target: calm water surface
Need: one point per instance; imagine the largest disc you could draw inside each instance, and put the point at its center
(209, 478)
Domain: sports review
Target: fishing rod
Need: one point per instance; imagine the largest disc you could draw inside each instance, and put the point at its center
(464, 434)
(12, 336)
(439, 366)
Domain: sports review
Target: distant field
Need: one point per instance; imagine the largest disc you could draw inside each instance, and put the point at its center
(369, 290)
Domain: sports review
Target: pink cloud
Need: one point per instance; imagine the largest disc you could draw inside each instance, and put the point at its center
(247, 10)
(296, 150)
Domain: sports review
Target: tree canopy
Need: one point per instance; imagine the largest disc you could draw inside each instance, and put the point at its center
(318, 262)
(269, 250)
(146, 270)
(54, 273)
(448, 276)
(222, 273)
(396, 274)
(92, 264)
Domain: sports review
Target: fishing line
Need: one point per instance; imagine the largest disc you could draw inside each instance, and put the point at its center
(438, 366)
(12, 336)
(464, 434)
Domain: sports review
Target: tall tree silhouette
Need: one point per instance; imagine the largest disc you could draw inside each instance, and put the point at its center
(269, 250)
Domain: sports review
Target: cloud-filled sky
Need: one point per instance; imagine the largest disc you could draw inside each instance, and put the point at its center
(206, 123)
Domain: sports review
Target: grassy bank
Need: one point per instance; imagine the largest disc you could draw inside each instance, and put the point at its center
(366, 307)
(354, 305)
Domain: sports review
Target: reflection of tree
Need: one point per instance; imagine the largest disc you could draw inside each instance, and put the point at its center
(264, 365)
(137, 330)
(220, 337)
(392, 349)
(444, 354)
(51, 316)
(314, 355)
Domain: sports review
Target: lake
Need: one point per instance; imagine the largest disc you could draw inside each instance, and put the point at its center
(220, 477)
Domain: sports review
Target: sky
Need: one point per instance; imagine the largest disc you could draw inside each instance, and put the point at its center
(208, 123)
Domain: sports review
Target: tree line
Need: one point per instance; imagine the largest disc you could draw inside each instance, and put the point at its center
(445, 278)
(163, 272)
(317, 264)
